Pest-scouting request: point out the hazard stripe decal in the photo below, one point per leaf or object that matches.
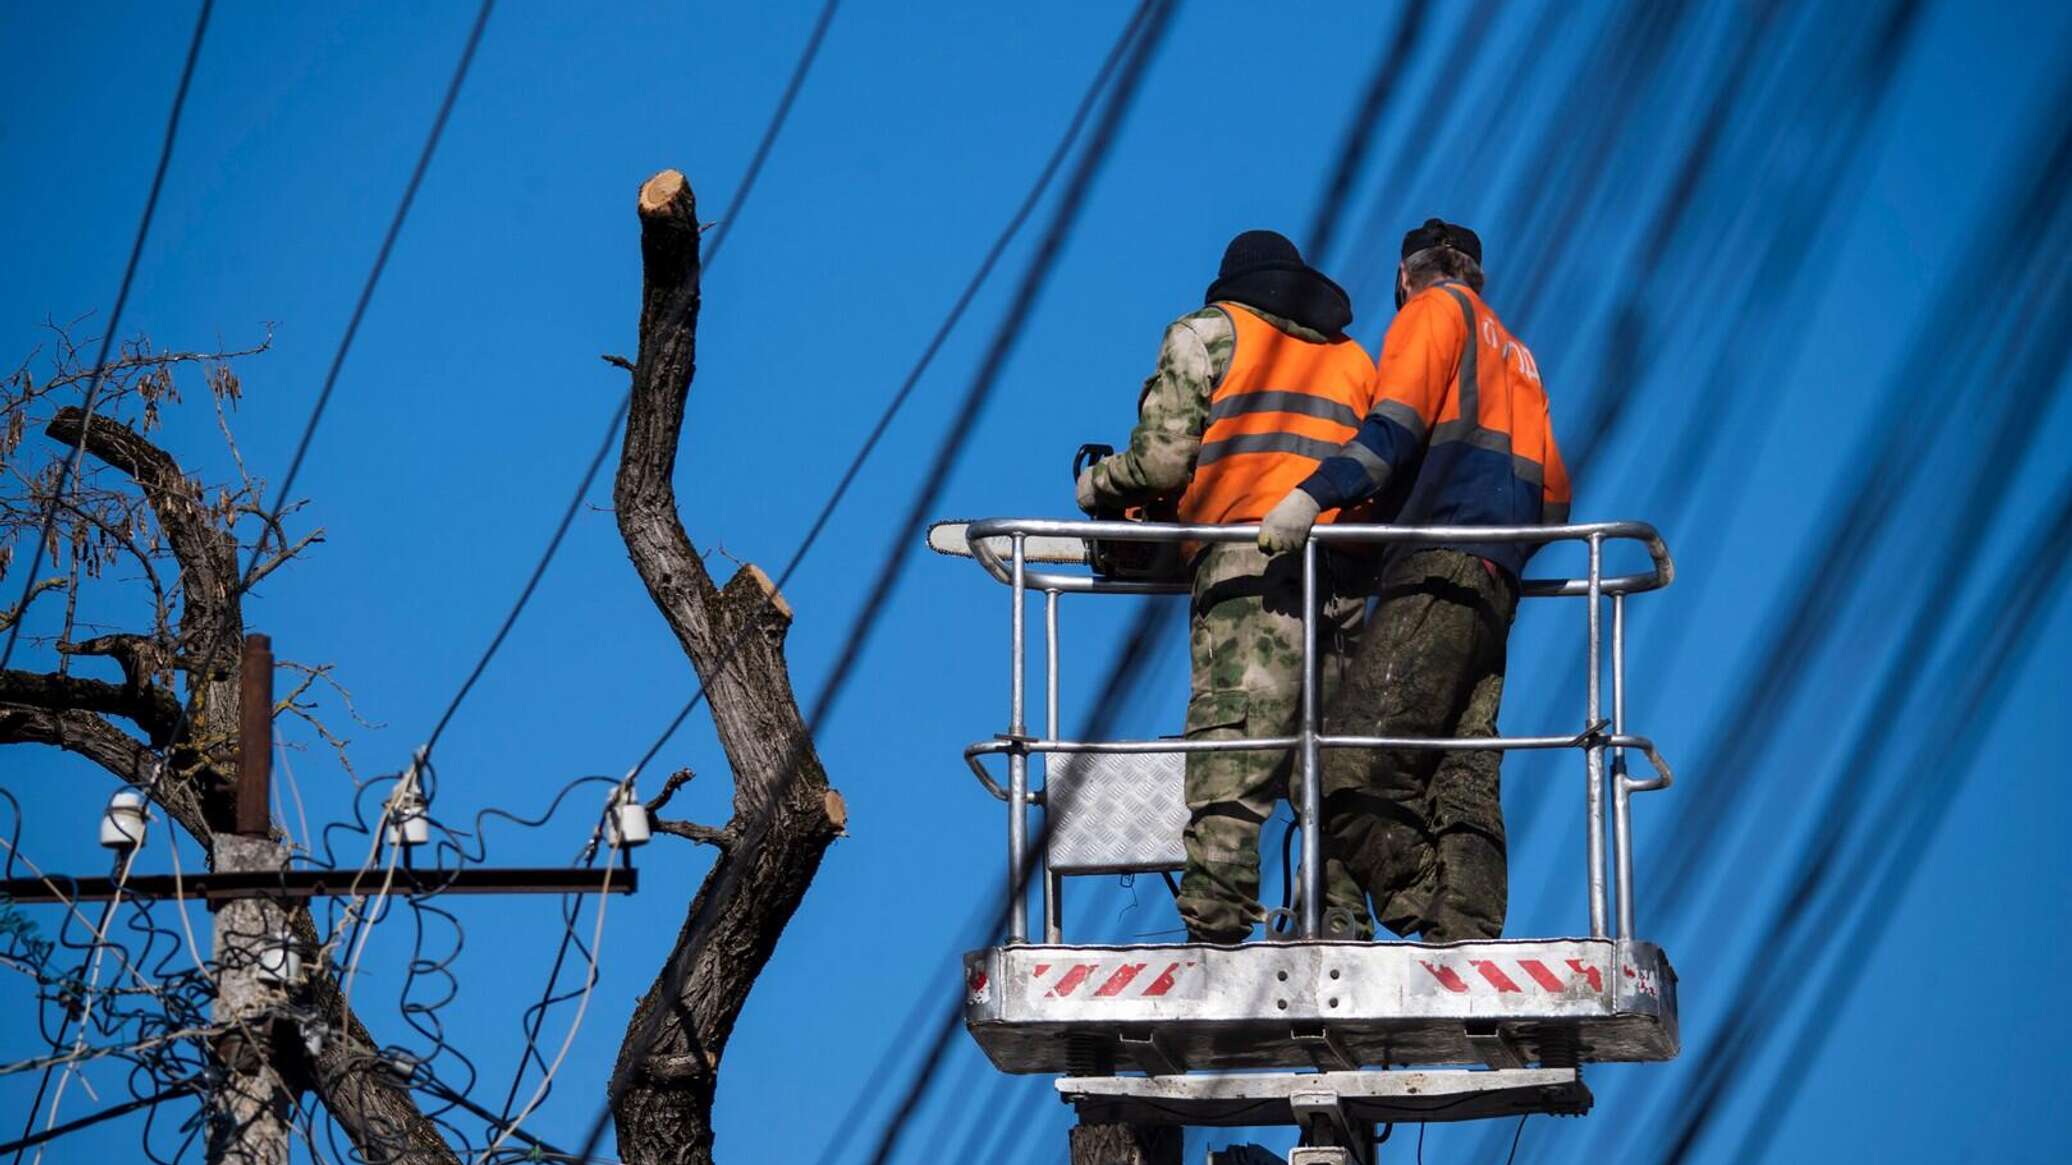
(1119, 980)
(1447, 977)
(1494, 975)
(1091, 981)
(1072, 979)
(1114, 979)
(1164, 982)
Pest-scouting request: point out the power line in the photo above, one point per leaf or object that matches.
(1152, 620)
(272, 518)
(905, 538)
(1157, 15)
(69, 469)
(770, 131)
(1388, 70)
(764, 146)
(106, 1114)
(381, 258)
(2035, 586)
(532, 581)
(1790, 931)
(948, 324)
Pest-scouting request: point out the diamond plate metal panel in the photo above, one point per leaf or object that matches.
(1116, 814)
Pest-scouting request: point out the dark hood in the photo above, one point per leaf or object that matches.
(1263, 269)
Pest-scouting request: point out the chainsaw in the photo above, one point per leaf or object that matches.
(1133, 561)
(1125, 561)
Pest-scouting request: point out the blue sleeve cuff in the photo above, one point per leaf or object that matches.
(1336, 481)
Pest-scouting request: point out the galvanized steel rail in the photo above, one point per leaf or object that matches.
(1000, 546)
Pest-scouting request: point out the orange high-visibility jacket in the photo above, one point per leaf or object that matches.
(1460, 433)
(1283, 405)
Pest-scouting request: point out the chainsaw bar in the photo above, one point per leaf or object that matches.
(953, 538)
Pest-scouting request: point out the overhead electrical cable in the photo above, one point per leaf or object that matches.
(68, 470)
(381, 258)
(1148, 627)
(764, 146)
(1064, 216)
(1015, 222)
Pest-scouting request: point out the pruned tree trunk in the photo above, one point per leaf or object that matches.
(784, 814)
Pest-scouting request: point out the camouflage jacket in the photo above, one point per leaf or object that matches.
(1173, 411)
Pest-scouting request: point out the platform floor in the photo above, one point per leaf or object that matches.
(1276, 1099)
(1173, 1008)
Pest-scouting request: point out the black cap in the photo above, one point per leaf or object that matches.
(1440, 233)
(1263, 269)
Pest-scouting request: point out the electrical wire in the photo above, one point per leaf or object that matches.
(272, 518)
(97, 1053)
(1352, 153)
(899, 548)
(1152, 621)
(125, 863)
(720, 233)
(764, 146)
(69, 469)
(108, 1114)
(1064, 216)
(582, 1005)
(381, 258)
(1034, 197)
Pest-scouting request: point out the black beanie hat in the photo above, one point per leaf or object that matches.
(1263, 269)
(1259, 251)
(1439, 233)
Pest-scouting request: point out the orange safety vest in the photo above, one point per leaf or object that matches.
(1282, 407)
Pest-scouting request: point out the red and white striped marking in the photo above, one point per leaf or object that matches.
(1099, 979)
(1516, 976)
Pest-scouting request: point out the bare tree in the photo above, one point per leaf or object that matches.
(785, 815)
(138, 519)
(135, 518)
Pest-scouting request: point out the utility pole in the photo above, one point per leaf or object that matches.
(262, 999)
(248, 1118)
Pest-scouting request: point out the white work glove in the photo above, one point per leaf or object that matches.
(1083, 492)
(1287, 524)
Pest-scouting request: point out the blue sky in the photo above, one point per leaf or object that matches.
(474, 397)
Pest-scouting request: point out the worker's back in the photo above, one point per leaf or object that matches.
(1465, 389)
(1283, 405)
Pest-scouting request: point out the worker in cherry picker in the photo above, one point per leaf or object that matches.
(1459, 436)
(1251, 393)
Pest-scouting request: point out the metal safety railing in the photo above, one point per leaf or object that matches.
(1005, 547)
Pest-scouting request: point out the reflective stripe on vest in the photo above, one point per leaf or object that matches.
(1283, 406)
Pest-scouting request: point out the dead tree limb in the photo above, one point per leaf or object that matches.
(784, 814)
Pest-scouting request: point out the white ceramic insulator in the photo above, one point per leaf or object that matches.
(407, 822)
(409, 828)
(124, 825)
(629, 825)
(279, 962)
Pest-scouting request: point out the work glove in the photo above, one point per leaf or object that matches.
(1083, 491)
(1287, 524)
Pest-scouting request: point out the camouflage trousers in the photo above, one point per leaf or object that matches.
(1245, 643)
(1423, 831)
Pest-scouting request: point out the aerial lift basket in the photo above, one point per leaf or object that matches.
(1315, 1031)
